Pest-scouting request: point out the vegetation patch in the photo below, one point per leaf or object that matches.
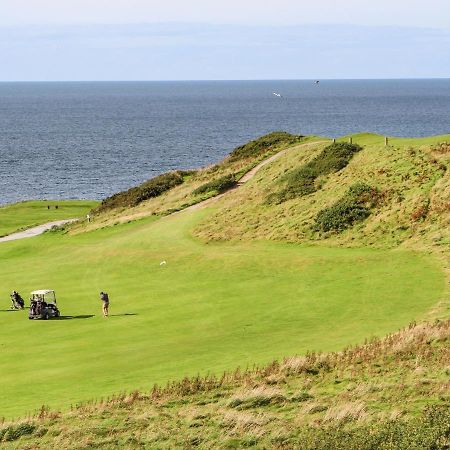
(431, 430)
(354, 207)
(219, 185)
(149, 189)
(264, 144)
(14, 432)
(302, 181)
(402, 412)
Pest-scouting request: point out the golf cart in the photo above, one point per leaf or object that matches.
(43, 305)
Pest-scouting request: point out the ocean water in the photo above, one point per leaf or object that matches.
(91, 139)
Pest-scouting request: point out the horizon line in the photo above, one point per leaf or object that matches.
(225, 80)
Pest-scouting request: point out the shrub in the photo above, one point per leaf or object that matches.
(263, 145)
(12, 433)
(301, 181)
(421, 212)
(149, 189)
(219, 185)
(353, 207)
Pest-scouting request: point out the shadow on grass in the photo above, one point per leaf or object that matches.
(120, 315)
(11, 310)
(85, 316)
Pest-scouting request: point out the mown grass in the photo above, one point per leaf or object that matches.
(218, 305)
(31, 213)
(390, 393)
(210, 308)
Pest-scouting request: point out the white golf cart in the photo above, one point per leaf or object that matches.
(43, 305)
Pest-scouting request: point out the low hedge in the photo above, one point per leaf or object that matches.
(263, 145)
(219, 185)
(300, 182)
(354, 207)
(149, 189)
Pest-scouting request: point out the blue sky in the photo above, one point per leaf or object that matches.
(153, 40)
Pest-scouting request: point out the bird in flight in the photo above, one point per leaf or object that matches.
(277, 94)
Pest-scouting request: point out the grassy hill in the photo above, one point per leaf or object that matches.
(250, 276)
(391, 393)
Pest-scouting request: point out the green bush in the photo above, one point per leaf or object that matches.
(264, 144)
(219, 185)
(149, 189)
(354, 207)
(301, 181)
(12, 433)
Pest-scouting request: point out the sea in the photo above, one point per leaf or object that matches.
(88, 140)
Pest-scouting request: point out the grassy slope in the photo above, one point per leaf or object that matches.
(183, 195)
(31, 213)
(212, 307)
(366, 398)
(408, 176)
(240, 290)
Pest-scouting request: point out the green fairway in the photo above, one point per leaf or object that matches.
(211, 307)
(28, 214)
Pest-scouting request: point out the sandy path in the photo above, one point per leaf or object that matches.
(35, 231)
(247, 177)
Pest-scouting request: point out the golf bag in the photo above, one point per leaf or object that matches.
(17, 301)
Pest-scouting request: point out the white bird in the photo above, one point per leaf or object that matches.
(162, 263)
(276, 94)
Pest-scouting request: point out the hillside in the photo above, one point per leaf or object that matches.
(390, 393)
(292, 245)
(412, 180)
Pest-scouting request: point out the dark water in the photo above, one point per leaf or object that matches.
(88, 140)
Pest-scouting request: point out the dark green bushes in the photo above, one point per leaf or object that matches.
(149, 189)
(219, 185)
(263, 145)
(354, 207)
(12, 433)
(301, 181)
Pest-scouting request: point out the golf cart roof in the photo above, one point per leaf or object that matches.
(43, 292)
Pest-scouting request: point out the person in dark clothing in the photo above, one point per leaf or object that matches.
(105, 300)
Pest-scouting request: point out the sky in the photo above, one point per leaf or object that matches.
(45, 40)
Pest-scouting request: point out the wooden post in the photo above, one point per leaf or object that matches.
(386, 141)
(334, 140)
(350, 140)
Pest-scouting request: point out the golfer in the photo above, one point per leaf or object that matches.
(105, 299)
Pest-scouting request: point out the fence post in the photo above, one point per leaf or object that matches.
(386, 141)
(334, 140)
(350, 140)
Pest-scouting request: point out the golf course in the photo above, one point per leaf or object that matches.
(24, 215)
(182, 305)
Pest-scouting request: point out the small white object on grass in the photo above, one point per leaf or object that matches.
(162, 263)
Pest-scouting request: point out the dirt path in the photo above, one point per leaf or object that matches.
(35, 231)
(247, 177)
